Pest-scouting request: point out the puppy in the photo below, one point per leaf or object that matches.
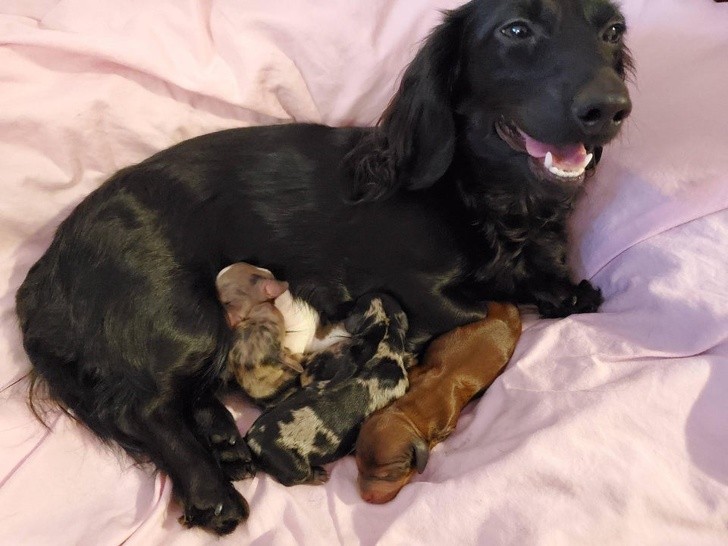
(319, 423)
(271, 330)
(395, 441)
(259, 362)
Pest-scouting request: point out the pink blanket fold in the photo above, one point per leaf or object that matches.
(606, 429)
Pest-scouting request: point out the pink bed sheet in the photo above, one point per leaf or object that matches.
(608, 428)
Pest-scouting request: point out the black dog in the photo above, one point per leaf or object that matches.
(320, 423)
(459, 196)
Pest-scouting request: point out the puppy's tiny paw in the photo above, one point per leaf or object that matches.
(319, 476)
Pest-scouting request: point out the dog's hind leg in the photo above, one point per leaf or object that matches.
(208, 498)
(216, 428)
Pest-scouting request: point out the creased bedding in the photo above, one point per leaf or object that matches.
(610, 428)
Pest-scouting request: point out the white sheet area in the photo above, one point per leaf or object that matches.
(605, 429)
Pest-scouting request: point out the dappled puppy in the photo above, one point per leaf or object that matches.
(258, 361)
(319, 423)
(396, 441)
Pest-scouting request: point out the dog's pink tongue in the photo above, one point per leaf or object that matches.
(571, 155)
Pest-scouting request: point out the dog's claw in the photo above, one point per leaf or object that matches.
(220, 515)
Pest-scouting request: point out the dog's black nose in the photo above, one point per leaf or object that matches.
(601, 105)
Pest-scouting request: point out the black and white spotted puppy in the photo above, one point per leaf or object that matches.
(320, 423)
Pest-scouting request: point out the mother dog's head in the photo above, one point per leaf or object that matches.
(532, 88)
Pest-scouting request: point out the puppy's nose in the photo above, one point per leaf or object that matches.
(600, 107)
(368, 496)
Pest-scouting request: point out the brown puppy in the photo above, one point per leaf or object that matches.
(458, 365)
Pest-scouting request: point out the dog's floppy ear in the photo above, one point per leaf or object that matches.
(421, 454)
(414, 142)
(418, 125)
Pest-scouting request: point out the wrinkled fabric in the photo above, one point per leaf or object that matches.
(607, 428)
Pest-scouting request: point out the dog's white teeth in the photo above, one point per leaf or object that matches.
(565, 174)
(548, 161)
(575, 172)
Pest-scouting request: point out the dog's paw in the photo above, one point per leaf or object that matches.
(234, 457)
(217, 510)
(219, 431)
(583, 298)
(589, 298)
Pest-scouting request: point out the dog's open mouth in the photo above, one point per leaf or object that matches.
(567, 163)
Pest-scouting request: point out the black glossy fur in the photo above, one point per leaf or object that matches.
(120, 316)
(320, 423)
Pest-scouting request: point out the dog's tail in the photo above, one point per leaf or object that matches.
(60, 378)
(49, 346)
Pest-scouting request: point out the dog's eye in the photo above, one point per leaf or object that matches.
(614, 33)
(517, 30)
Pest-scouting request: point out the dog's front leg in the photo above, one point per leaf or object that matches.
(559, 297)
(436, 310)
(548, 283)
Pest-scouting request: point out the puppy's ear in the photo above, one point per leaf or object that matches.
(421, 454)
(268, 289)
(290, 361)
